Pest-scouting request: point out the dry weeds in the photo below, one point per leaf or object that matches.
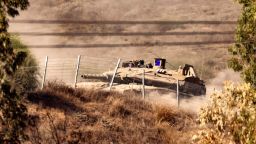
(61, 114)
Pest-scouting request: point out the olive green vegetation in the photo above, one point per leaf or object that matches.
(26, 77)
(13, 113)
(243, 51)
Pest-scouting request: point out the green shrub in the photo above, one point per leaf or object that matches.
(243, 52)
(26, 77)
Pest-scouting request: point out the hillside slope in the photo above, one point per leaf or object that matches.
(63, 114)
(194, 31)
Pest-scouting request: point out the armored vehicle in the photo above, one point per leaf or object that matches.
(154, 75)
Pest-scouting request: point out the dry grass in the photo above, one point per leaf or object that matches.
(62, 114)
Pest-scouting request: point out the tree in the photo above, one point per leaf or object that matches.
(26, 77)
(13, 113)
(244, 59)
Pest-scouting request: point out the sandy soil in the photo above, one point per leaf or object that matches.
(122, 10)
(197, 32)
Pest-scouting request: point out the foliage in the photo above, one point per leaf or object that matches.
(26, 77)
(12, 111)
(243, 51)
(231, 116)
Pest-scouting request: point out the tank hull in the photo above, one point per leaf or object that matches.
(193, 86)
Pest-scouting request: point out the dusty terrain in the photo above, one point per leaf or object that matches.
(154, 95)
(195, 31)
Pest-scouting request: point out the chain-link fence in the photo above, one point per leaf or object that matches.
(69, 70)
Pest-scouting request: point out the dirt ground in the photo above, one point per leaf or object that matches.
(160, 14)
(197, 32)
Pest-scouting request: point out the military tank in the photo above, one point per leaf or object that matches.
(154, 75)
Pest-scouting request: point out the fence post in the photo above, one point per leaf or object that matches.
(45, 70)
(77, 69)
(178, 100)
(114, 74)
(143, 84)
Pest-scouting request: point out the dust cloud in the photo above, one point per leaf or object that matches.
(194, 103)
(217, 83)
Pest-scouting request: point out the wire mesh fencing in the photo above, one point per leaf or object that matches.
(69, 70)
